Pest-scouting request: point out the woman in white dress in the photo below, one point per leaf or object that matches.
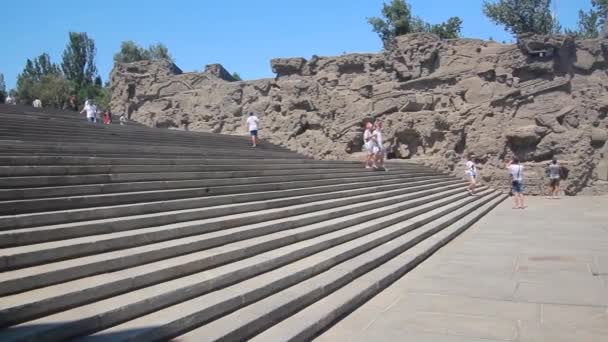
(471, 172)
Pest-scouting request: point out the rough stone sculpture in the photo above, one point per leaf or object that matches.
(544, 97)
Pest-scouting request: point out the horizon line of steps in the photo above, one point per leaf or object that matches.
(24, 127)
(131, 248)
(86, 132)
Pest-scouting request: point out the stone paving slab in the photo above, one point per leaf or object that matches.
(533, 275)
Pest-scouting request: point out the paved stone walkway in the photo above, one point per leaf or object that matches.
(539, 274)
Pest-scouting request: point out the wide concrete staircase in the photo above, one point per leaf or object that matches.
(113, 233)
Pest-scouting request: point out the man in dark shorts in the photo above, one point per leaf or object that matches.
(553, 170)
(252, 126)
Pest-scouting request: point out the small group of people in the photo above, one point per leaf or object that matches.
(10, 100)
(516, 172)
(372, 139)
(91, 112)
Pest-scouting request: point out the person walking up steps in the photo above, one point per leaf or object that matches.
(252, 126)
(554, 172)
(471, 172)
(378, 148)
(517, 187)
(369, 146)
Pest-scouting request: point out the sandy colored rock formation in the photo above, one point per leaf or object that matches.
(440, 100)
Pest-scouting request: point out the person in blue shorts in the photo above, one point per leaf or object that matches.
(516, 170)
(252, 126)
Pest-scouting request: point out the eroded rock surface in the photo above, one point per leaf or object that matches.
(439, 100)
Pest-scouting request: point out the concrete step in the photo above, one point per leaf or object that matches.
(310, 307)
(63, 160)
(117, 212)
(334, 247)
(31, 304)
(48, 130)
(104, 184)
(136, 150)
(44, 233)
(16, 207)
(86, 137)
(59, 190)
(204, 171)
(320, 316)
(36, 254)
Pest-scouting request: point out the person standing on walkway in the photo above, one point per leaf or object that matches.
(369, 145)
(516, 170)
(37, 103)
(471, 173)
(554, 172)
(252, 126)
(90, 110)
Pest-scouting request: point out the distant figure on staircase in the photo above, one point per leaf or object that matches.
(369, 143)
(471, 172)
(10, 100)
(123, 119)
(107, 117)
(517, 182)
(378, 148)
(90, 110)
(252, 126)
(37, 103)
(72, 103)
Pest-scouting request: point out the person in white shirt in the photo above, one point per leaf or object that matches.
(471, 173)
(252, 126)
(378, 148)
(9, 100)
(369, 146)
(516, 170)
(37, 103)
(91, 111)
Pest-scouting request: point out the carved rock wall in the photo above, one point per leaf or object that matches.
(439, 100)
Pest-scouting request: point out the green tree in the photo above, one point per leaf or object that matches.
(449, 29)
(32, 82)
(590, 23)
(236, 76)
(131, 52)
(79, 59)
(397, 19)
(522, 16)
(53, 90)
(159, 51)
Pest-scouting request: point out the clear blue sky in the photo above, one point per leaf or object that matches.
(243, 35)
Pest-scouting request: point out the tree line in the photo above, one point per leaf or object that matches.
(516, 16)
(75, 79)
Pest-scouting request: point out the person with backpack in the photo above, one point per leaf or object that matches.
(516, 170)
(554, 171)
(471, 173)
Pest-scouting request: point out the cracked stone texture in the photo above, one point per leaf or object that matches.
(439, 100)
